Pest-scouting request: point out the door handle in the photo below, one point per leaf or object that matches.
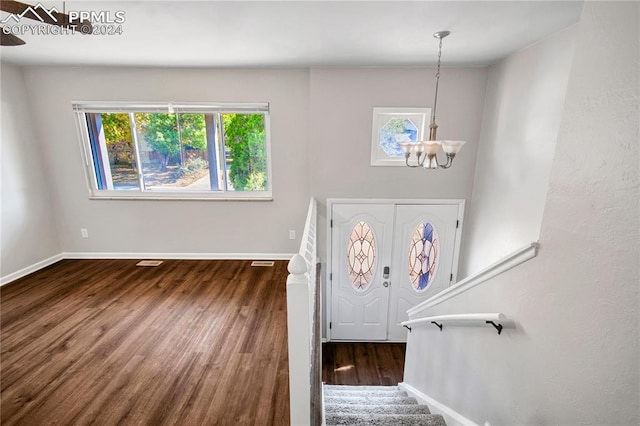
(385, 284)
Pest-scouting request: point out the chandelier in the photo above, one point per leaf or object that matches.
(426, 151)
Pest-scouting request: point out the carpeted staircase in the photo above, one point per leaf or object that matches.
(375, 405)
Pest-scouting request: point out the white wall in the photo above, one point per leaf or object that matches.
(571, 356)
(315, 114)
(28, 227)
(523, 108)
(205, 227)
(342, 102)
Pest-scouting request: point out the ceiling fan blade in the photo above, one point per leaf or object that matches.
(47, 17)
(9, 39)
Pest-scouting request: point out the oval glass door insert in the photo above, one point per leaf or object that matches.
(424, 250)
(361, 255)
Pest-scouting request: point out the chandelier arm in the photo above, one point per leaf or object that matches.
(432, 162)
(448, 163)
(406, 160)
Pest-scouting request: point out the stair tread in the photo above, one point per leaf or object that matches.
(354, 387)
(337, 419)
(377, 409)
(338, 393)
(370, 400)
(376, 406)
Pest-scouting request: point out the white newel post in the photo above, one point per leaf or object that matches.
(298, 327)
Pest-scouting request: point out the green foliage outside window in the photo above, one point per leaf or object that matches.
(245, 140)
(116, 127)
(162, 133)
(244, 136)
(117, 134)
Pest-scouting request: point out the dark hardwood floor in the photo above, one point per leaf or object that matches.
(363, 363)
(104, 342)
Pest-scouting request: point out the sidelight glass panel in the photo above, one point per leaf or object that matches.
(424, 250)
(361, 255)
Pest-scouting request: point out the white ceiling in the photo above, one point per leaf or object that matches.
(300, 33)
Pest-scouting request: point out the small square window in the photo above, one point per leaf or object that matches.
(393, 126)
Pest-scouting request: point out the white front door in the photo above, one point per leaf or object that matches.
(360, 246)
(385, 259)
(422, 263)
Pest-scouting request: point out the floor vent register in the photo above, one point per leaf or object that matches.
(149, 263)
(262, 263)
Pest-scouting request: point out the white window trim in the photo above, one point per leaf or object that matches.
(82, 107)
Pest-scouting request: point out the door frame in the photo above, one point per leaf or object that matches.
(329, 215)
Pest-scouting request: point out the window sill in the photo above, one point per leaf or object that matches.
(181, 197)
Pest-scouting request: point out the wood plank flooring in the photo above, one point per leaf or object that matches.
(104, 342)
(363, 363)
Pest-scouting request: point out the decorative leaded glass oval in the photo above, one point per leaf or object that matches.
(361, 255)
(424, 251)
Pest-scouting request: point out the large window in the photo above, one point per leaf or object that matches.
(176, 151)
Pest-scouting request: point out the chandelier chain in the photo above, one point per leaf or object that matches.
(435, 100)
(425, 152)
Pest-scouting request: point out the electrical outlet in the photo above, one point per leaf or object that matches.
(292, 234)
(84, 232)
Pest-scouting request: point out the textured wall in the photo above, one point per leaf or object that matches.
(28, 228)
(571, 356)
(521, 119)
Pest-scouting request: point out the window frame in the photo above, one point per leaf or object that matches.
(82, 108)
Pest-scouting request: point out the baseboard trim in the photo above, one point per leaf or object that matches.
(30, 269)
(106, 255)
(451, 416)
(363, 341)
(179, 256)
